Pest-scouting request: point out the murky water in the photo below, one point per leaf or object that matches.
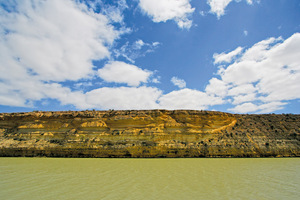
(71, 178)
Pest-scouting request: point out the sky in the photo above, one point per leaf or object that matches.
(236, 56)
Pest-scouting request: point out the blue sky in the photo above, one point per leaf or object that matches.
(237, 56)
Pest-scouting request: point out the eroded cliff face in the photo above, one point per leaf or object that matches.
(148, 133)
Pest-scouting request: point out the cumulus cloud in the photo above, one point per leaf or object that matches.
(263, 108)
(51, 41)
(241, 89)
(216, 87)
(217, 7)
(120, 72)
(145, 98)
(238, 99)
(263, 78)
(162, 11)
(226, 57)
(188, 99)
(178, 82)
(56, 40)
(124, 98)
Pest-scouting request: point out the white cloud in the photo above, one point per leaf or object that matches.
(124, 98)
(138, 49)
(147, 98)
(55, 39)
(178, 82)
(249, 1)
(244, 108)
(202, 13)
(154, 44)
(139, 44)
(188, 99)
(263, 78)
(48, 41)
(238, 99)
(161, 11)
(156, 80)
(218, 6)
(113, 12)
(263, 108)
(270, 107)
(241, 89)
(65, 95)
(137, 98)
(227, 57)
(259, 51)
(120, 72)
(216, 87)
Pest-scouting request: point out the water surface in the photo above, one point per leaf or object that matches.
(80, 178)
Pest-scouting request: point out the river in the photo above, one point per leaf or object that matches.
(190, 178)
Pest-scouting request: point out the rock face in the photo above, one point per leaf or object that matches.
(148, 133)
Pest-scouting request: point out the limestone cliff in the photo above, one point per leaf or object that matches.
(148, 133)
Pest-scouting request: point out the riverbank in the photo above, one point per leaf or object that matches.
(148, 134)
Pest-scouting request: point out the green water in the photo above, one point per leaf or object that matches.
(72, 178)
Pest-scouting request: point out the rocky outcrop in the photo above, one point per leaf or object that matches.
(148, 133)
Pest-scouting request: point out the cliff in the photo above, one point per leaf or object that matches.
(148, 133)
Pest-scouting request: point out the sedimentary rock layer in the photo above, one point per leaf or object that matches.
(148, 133)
